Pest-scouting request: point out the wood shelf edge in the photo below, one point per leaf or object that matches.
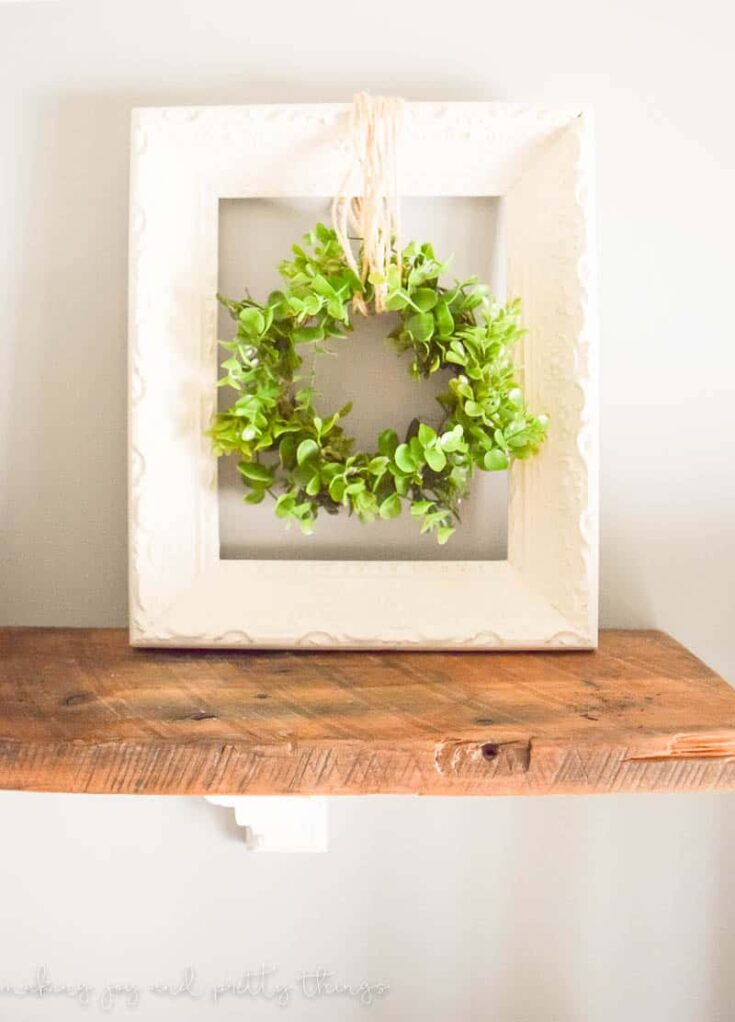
(82, 712)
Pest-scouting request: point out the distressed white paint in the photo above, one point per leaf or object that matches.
(181, 591)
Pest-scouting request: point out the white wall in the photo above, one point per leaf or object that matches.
(589, 909)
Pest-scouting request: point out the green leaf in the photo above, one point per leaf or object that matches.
(329, 425)
(336, 309)
(322, 286)
(421, 326)
(425, 298)
(404, 459)
(254, 472)
(252, 321)
(417, 451)
(473, 409)
(280, 428)
(421, 507)
(277, 302)
(313, 486)
(443, 534)
(393, 277)
(444, 320)
(337, 489)
(391, 506)
(287, 450)
(495, 460)
(308, 334)
(256, 497)
(436, 459)
(306, 450)
(311, 305)
(284, 505)
(376, 466)
(426, 434)
(461, 387)
(397, 301)
(366, 506)
(265, 442)
(387, 442)
(402, 484)
(452, 439)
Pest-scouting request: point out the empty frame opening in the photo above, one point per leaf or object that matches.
(254, 236)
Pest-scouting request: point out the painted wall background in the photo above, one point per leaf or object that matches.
(587, 909)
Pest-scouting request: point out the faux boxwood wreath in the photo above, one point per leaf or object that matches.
(306, 461)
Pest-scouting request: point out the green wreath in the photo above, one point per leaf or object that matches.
(305, 460)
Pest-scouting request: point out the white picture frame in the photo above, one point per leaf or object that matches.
(184, 160)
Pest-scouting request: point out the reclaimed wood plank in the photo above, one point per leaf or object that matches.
(82, 711)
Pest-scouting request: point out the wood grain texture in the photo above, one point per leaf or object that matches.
(82, 711)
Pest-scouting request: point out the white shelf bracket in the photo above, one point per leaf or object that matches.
(279, 823)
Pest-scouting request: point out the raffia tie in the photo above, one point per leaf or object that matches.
(367, 203)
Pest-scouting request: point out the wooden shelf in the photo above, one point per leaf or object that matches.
(82, 711)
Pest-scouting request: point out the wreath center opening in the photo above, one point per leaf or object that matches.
(364, 367)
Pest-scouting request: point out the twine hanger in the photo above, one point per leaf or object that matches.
(367, 202)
